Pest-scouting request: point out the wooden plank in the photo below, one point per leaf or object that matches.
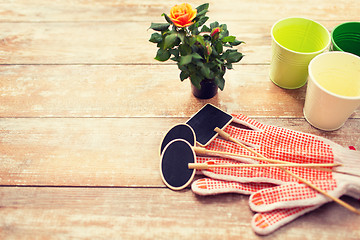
(136, 91)
(104, 151)
(142, 10)
(105, 43)
(84, 106)
(123, 213)
(111, 42)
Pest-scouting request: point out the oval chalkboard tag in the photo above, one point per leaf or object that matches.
(179, 131)
(174, 169)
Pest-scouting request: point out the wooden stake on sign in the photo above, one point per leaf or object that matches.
(205, 166)
(227, 137)
(337, 200)
(206, 152)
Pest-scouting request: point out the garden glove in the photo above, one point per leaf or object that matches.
(287, 145)
(278, 205)
(262, 223)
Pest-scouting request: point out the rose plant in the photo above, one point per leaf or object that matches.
(201, 52)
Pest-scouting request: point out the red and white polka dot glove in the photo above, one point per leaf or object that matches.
(262, 223)
(280, 205)
(287, 145)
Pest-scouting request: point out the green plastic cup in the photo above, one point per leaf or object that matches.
(295, 41)
(346, 38)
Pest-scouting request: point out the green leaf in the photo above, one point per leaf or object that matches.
(185, 60)
(223, 27)
(224, 33)
(194, 30)
(202, 9)
(191, 41)
(162, 55)
(236, 43)
(196, 56)
(219, 47)
(219, 61)
(167, 18)
(234, 57)
(202, 21)
(205, 29)
(215, 53)
(184, 75)
(174, 52)
(229, 65)
(170, 40)
(229, 39)
(159, 26)
(205, 70)
(155, 38)
(200, 39)
(225, 55)
(220, 82)
(214, 25)
(184, 49)
(196, 80)
(181, 36)
(212, 66)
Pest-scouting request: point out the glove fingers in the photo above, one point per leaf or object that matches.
(208, 186)
(266, 223)
(248, 122)
(246, 136)
(258, 174)
(291, 195)
(241, 174)
(245, 174)
(281, 143)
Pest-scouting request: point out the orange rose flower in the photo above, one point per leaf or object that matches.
(182, 15)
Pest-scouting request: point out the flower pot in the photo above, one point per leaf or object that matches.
(208, 89)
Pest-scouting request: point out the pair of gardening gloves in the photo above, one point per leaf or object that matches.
(276, 196)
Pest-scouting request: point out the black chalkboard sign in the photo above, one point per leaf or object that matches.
(174, 164)
(206, 120)
(179, 131)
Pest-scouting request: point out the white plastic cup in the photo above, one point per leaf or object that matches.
(333, 90)
(295, 41)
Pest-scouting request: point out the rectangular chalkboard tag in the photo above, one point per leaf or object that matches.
(206, 120)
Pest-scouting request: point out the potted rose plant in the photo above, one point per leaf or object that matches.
(203, 53)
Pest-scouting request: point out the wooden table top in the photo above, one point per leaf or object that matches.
(84, 107)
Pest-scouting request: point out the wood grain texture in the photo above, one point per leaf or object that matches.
(84, 107)
(105, 43)
(130, 213)
(112, 42)
(142, 10)
(120, 152)
(137, 91)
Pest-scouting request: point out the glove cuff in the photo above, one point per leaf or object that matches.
(349, 159)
